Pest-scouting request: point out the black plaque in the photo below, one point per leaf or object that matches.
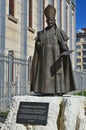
(33, 113)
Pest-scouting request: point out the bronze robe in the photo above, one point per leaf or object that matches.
(50, 43)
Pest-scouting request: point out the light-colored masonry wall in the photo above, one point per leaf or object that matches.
(17, 36)
(13, 30)
(20, 38)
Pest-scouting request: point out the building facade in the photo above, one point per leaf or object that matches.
(21, 19)
(81, 50)
(65, 20)
(19, 22)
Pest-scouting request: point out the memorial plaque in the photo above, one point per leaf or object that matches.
(33, 113)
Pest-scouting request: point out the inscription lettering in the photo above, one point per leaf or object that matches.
(33, 113)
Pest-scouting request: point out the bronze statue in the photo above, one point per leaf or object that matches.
(51, 65)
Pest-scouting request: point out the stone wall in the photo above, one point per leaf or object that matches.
(65, 113)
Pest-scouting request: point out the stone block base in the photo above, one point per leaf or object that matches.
(65, 113)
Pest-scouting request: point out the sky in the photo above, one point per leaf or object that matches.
(80, 14)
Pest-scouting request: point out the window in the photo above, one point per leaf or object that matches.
(78, 60)
(11, 7)
(77, 39)
(78, 53)
(84, 59)
(84, 46)
(30, 13)
(84, 66)
(78, 46)
(84, 52)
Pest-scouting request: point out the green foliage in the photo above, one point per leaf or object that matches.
(81, 93)
(4, 113)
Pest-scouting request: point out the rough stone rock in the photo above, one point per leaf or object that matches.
(65, 113)
(0, 125)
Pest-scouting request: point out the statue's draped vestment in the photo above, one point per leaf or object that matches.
(47, 51)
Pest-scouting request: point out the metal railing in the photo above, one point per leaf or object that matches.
(14, 78)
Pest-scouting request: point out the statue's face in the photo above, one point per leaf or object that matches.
(50, 22)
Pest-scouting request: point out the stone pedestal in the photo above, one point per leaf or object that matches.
(65, 113)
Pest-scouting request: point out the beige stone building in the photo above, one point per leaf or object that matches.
(19, 22)
(81, 50)
(19, 38)
(21, 19)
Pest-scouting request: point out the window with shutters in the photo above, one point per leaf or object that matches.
(30, 13)
(11, 7)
